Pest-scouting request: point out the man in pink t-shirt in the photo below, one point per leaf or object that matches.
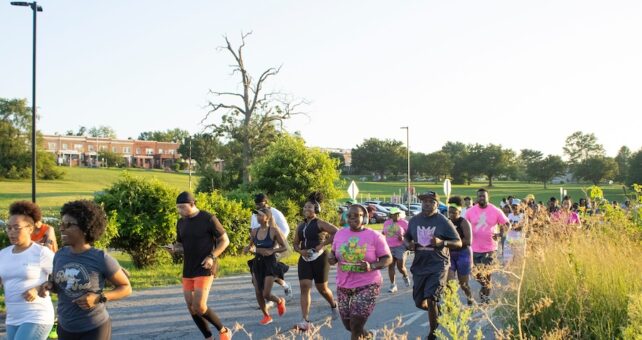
(394, 229)
(485, 220)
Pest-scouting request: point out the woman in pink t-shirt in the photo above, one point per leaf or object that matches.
(393, 229)
(359, 253)
(566, 215)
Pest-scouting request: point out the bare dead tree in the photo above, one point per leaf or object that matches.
(252, 110)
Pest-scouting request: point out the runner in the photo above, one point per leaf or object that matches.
(461, 260)
(44, 235)
(343, 219)
(261, 201)
(25, 265)
(467, 205)
(566, 215)
(359, 252)
(394, 229)
(485, 220)
(309, 241)
(514, 237)
(429, 234)
(80, 272)
(202, 239)
(264, 267)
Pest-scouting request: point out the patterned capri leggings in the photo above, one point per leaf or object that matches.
(359, 301)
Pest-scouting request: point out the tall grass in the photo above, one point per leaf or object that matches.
(579, 282)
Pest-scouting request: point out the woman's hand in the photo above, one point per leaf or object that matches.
(365, 266)
(332, 259)
(30, 295)
(44, 288)
(87, 301)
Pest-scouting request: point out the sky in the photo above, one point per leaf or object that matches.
(524, 74)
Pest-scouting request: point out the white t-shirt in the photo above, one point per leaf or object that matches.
(515, 219)
(21, 272)
(280, 220)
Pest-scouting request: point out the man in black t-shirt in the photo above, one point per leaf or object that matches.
(429, 234)
(203, 239)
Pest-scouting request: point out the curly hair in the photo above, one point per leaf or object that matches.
(26, 208)
(456, 200)
(90, 216)
(315, 197)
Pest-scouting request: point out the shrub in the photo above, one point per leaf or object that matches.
(233, 216)
(144, 213)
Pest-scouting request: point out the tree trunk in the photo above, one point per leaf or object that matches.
(490, 181)
(545, 185)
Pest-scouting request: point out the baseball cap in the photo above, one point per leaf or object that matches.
(427, 194)
(185, 197)
(395, 210)
(351, 201)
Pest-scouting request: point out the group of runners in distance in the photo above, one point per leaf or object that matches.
(446, 246)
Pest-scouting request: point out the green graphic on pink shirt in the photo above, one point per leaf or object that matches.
(392, 231)
(352, 254)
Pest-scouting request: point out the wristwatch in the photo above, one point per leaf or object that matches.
(212, 256)
(445, 243)
(102, 298)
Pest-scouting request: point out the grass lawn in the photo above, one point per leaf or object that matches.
(384, 190)
(80, 183)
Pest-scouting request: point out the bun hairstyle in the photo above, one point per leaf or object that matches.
(316, 198)
(456, 200)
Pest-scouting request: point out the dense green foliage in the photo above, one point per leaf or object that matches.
(144, 212)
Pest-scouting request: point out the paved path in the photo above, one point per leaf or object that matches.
(160, 313)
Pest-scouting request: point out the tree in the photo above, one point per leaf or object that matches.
(438, 165)
(525, 159)
(379, 156)
(144, 211)
(580, 146)
(170, 135)
(338, 156)
(544, 170)
(418, 163)
(102, 131)
(491, 160)
(112, 158)
(205, 148)
(15, 144)
(596, 169)
(251, 112)
(82, 131)
(458, 154)
(288, 171)
(622, 160)
(634, 174)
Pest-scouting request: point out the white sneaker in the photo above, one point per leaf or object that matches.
(269, 304)
(288, 292)
(407, 281)
(393, 289)
(304, 325)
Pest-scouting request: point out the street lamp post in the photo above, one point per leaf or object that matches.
(407, 128)
(35, 8)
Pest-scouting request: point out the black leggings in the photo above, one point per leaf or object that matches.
(102, 332)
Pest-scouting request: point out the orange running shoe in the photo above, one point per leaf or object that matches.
(281, 307)
(266, 320)
(224, 334)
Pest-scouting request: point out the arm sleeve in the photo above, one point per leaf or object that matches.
(408, 236)
(254, 223)
(111, 265)
(217, 228)
(46, 260)
(381, 246)
(178, 234)
(281, 222)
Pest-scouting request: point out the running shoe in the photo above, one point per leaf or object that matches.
(54, 331)
(407, 281)
(268, 305)
(266, 320)
(280, 307)
(393, 289)
(372, 333)
(304, 325)
(224, 334)
(288, 292)
(334, 311)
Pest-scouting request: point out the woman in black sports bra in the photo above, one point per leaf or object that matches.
(267, 240)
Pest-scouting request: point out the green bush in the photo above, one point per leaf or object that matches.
(233, 216)
(144, 213)
(211, 180)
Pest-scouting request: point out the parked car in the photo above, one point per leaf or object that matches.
(372, 202)
(402, 207)
(380, 213)
(415, 209)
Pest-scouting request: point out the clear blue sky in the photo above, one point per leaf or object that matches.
(524, 74)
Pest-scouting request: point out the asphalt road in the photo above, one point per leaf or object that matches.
(160, 313)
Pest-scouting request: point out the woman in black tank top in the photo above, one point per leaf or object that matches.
(267, 240)
(311, 236)
(461, 259)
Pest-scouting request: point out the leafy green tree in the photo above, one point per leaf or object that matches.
(379, 156)
(288, 171)
(205, 148)
(580, 146)
(491, 160)
(211, 180)
(458, 154)
(102, 131)
(112, 158)
(15, 144)
(251, 114)
(417, 164)
(525, 159)
(169, 135)
(622, 160)
(338, 156)
(438, 165)
(596, 169)
(144, 211)
(544, 170)
(634, 175)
